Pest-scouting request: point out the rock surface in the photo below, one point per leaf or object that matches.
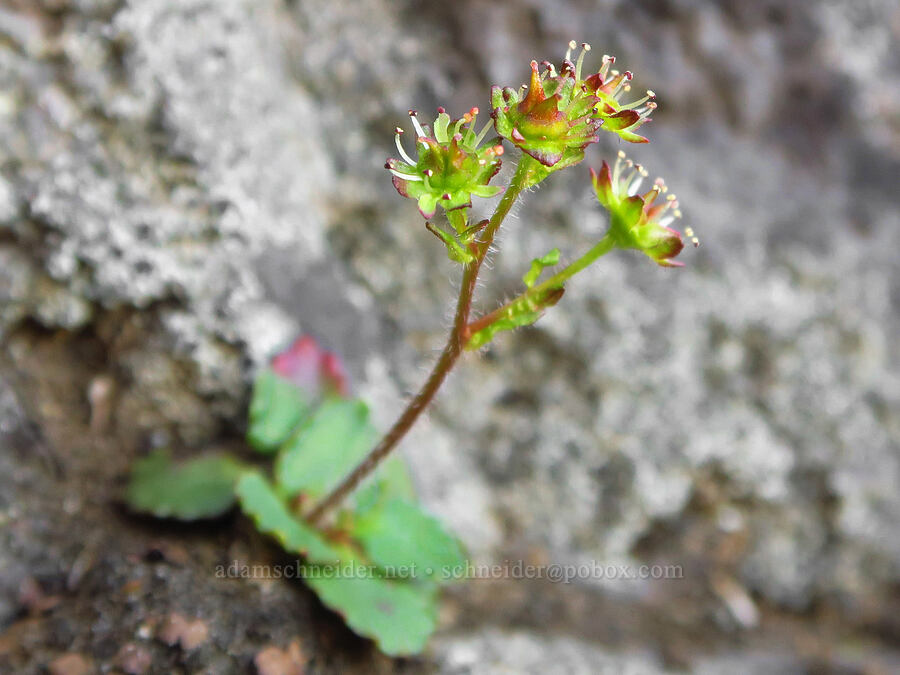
(185, 185)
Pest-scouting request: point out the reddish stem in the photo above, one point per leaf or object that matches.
(458, 336)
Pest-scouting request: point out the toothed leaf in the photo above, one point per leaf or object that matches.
(190, 490)
(276, 408)
(400, 534)
(325, 448)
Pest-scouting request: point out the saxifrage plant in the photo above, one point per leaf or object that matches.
(369, 550)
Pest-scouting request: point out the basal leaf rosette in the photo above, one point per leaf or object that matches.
(451, 166)
(637, 221)
(552, 119)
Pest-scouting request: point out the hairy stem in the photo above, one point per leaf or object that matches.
(534, 293)
(448, 358)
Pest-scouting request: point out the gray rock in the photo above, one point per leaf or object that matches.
(209, 176)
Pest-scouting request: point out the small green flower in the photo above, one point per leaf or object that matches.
(450, 168)
(561, 113)
(617, 117)
(554, 122)
(636, 222)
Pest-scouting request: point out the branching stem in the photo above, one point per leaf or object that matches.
(455, 343)
(534, 293)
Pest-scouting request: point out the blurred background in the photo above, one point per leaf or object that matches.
(187, 185)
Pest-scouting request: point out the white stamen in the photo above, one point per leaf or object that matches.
(405, 176)
(585, 48)
(406, 158)
(483, 133)
(617, 170)
(415, 120)
(635, 186)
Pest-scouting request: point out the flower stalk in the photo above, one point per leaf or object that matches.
(552, 121)
(448, 358)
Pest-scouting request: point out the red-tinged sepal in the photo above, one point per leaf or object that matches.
(619, 117)
(659, 243)
(550, 119)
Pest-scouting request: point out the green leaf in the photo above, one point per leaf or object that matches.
(400, 617)
(271, 515)
(390, 480)
(486, 334)
(190, 490)
(399, 535)
(455, 250)
(325, 448)
(538, 265)
(277, 407)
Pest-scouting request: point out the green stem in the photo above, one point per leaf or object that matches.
(447, 359)
(529, 300)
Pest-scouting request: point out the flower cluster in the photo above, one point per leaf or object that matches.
(554, 121)
(636, 220)
(452, 165)
(620, 118)
(559, 114)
